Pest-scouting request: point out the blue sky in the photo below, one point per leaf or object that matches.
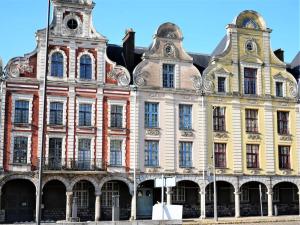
(202, 22)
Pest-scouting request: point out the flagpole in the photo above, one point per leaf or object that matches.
(41, 156)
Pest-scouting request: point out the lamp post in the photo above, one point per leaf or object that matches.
(214, 167)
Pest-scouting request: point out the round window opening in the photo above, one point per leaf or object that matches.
(249, 46)
(169, 50)
(72, 24)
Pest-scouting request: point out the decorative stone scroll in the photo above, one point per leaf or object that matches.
(293, 89)
(204, 84)
(254, 136)
(120, 74)
(221, 135)
(140, 75)
(286, 138)
(20, 66)
(152, 131)
(187, 133)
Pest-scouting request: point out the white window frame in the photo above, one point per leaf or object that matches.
(92, 149)
(226, 76)
(85, 52)
(119, 103)
(104, 197)
(92, 101)
(63, 147)
(176, 73)
(57, 99)
(24, 97)
(175, 195)
(49, 77)
(123, 148)
(258, 76)
(280, 78)
(20, 134)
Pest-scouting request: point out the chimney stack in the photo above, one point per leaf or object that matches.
(280, 54)
(128, 49)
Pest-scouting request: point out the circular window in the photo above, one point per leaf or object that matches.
(72, 24)
(249, 46)
(169, 50)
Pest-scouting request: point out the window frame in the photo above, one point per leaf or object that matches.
(185, 116)
(185, 154)
(219, 152)
(107, 192)
(168, 77)
(93, 74)
(118, 156)
(151, 151)
(219, 88)
(279, 94)
(21, 149)
(219, 119)
(20, 111)
(57, 121)
(151, 116)
(86, 115)
(250, 82)
(116, 117)
(283, 126)
(252, 150)
(284, 164)
(251, 120)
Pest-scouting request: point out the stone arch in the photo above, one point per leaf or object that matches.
(59, 178)
(118, 178)
(264, 181)
(21, 177)
(286, 180)
(87, 178)
(230, 180)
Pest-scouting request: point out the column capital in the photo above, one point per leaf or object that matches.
(69, 193)
(237, 192)
(270, 192)
(202, 192)
(98, 193)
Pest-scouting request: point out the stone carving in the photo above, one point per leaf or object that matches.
(140, 75)
(221, 135)
(20, 66)
(286, 138)
(120, 74)
(73, 32)
(254, 136)
(204, 84)
(152, 131)
(169, 50)
(293, 90)
(187, 133)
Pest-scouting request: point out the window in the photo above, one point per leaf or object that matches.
(72, 24)
(85, 67)
(21, 111)
(178, 194)
(55, 148)
(82, 194)
(185, 117)
(56, 113)
(283, 122)
(221, 84)
(220, 155)
(252, 120)
(116, 116)
(185, 154)
(252, 156)
(279, 89)
(84, 154)
(249, 46)
(109, 190)
(168, 75)
(85, 114)
(151, 153)
(250, 81)
(219, 119)
(151, 115)
(249, 23)
(116, 153)
(284, 157)
(20, 150)
(57, 65)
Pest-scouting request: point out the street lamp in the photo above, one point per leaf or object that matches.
(214, 166)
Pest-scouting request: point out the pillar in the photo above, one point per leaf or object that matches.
(68, 205)
(237, 203)
(169, 195)
(299, 198)
(270, 202)
(97, 206)
(133, 208)
(37, 205)
(202, 204)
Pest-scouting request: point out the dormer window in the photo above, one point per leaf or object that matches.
(249, 46)
(57, 65)
(168, 75)
(72, 24)
(250, 81)
(279, 89)
(85, 67)
(221, 84)
(249, 23)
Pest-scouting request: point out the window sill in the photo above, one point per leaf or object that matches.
(25, 125)
(86, 127)
(117, 128)
(56, 126)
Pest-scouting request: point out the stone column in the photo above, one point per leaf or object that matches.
(133, 208)
(202, 204)
(169, 195)
(237, 203)
(68, 205)
(97, 206)
(270, 202)
(299, 198)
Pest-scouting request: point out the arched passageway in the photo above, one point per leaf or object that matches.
(225, 199)
(54, 201)
(18, 200)
(115, 188)
(286, 199)
(253, 195)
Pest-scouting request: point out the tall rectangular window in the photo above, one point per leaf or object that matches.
(252, 120)
(151, 153)
(84, 154)
(185, 117)
(85, 114)
(81, 192)
(116, 116)
(220, 155)
(21, 111)
(20, 150)
(221, 84)
(116, 153)
(151, 115)
(178, 195)
(250, 81)
(109, 189)
(185, 154)
(168, 75)
(252, 156)
(283, 122)
(219, 119)
(56, 113)
(284, 157)
(279, 89)
(55, 149)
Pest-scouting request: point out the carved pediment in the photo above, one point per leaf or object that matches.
(120, 74)
(279, 76)
(222, 71)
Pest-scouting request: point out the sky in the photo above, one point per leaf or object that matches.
(202, 22)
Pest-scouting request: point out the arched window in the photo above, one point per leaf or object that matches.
(85, 67)
(249, 23)
(57, 65)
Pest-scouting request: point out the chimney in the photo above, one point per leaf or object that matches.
(128, 49)
(280, 54)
